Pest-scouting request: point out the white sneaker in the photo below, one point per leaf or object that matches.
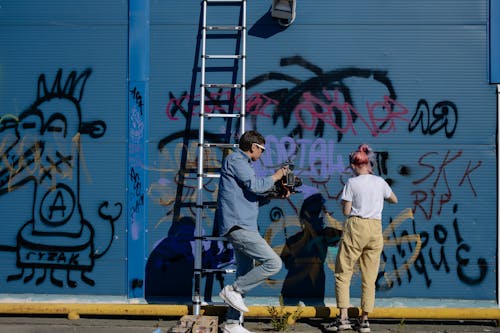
(364, 326)
(233, 298)
(339, 325)
(234, 328)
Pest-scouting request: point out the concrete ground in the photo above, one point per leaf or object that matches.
(58, 324)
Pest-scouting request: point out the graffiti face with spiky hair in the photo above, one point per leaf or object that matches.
(42, 147)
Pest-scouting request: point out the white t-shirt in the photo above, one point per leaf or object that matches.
(367, 194)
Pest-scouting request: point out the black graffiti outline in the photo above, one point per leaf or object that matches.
(332, 80)
(34, 248)
(442, 118)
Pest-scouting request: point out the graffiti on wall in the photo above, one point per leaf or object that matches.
(315, 116)
(436, 191)
(40, 150)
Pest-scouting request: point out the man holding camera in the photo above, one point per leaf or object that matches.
(240, 192)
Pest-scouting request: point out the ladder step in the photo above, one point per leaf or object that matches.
(217, 270)
(221, 115)
(221, 145)
(225, 27)
(222, 85)
(225, 0)
(211, 175)
(223, 56)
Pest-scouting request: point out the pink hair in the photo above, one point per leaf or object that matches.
(362, 156)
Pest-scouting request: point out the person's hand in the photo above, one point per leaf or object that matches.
(280, 173)
(287, 194)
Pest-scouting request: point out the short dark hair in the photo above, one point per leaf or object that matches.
(250, 137)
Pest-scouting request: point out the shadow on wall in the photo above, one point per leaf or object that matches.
(266, 27)
(169, 270)
(305, 253)
(170, 266)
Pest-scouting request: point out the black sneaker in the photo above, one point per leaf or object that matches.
(339, 325)
(364, 326)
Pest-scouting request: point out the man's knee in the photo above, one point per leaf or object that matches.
(274, 265)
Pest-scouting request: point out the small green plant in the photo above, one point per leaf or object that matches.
(401, 326)
(281, 319)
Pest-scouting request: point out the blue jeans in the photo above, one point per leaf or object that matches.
(249, 246)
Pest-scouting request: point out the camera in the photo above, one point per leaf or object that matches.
(288, 183)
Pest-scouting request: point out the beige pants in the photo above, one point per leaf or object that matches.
(362, 240)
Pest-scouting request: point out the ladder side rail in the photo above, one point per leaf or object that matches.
(200, 171)
(243, 69)
(201, 174)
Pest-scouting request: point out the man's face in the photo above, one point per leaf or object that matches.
(256, 151)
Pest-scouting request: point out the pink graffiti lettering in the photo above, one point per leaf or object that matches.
(440, 192)
(312, 108)
(382, 116)
(256, 105)
(467, 176)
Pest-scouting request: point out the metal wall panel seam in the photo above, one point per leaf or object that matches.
(138, 109)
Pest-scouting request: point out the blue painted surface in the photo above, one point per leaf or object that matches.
(58, 56)
(137, 158)
(494, 39)
(410, 78)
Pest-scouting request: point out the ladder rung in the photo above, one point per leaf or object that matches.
(223, 56)
(211, 175)
(222, 85)
(216, 270)
(221, 145)
(221, 115)
(224, 27)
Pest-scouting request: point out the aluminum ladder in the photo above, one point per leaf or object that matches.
(237, 82)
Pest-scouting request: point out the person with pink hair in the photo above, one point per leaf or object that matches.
(363, 199)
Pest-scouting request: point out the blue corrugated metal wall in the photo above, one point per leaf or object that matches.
(63, 88)
(409, 78)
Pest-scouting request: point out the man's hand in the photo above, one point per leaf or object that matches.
(286, 194)
(280, 173)
(278, 178)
